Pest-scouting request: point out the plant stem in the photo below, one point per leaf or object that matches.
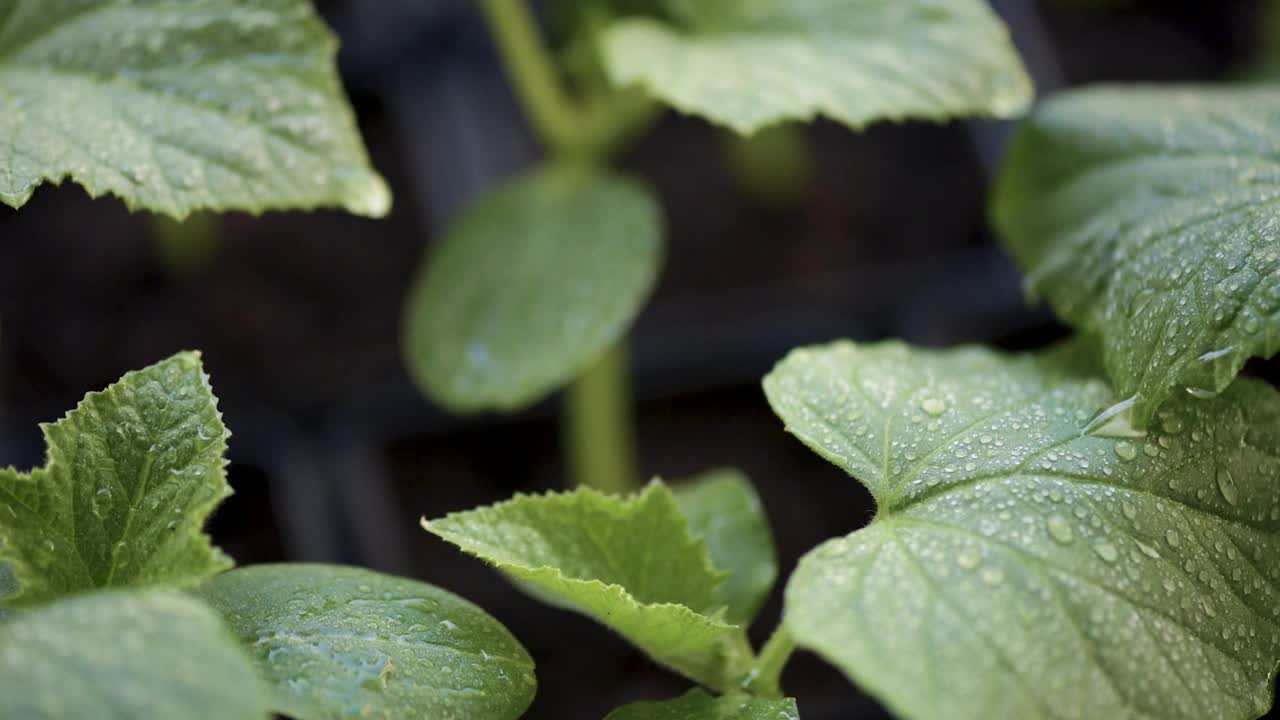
(598, 433)
(561, 124)
(766, 674)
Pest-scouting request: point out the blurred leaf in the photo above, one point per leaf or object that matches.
(723, 509)
(630, 563)
(530, 286)
(339, 642)
(177, 105)
(1148, 215)
(133, 473)
(125, 656)
(1018, 565)
(698, 705)
(749, 65)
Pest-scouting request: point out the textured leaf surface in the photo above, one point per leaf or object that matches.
(629, 563)
(698, 705)
(1020, 568)
(133, 472)
(176, 105)
(125, 656)
(1149, 216)
(723, 509)
(339, 642)
(748, 65)
(528, 288)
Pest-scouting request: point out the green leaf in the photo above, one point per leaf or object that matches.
(749, 65)
(133, 473)
(630, 563)
(177, 105)
(1017, 566)
(698, 705)
(723, 509)
(125, 656)
(1148, 215)
(340, 642)
(531, 284)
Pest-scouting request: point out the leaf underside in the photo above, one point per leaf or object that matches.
(630, 563)
(1148, 215)
(1021, 568)
(132, 474)
(179, 105)
(530, 286)
(338, 642)
(125, 656)
(698, 705)
(749, 65)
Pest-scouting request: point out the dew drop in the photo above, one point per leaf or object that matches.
(1128, 509)
(1059, 529)
(1227, 486)
(1171, 536)
(1107, 551)
(992, 575)
(1148, 550)
(1125, 450)
(933, 406)
(968, 559)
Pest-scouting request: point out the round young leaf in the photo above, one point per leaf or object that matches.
(723, 509)
(748, 65)
(1018, 567)
(698, 705)
(340, 643)
(531, 284)
(125, 656)
(630, 563)
(177, 105)
(1148, 215)
(133, 473)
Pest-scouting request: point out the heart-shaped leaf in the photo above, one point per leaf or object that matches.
(1019, 567)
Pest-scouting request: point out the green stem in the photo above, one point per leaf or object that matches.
(187, 248)
(560, 123)
(599, 437)
(766, 674)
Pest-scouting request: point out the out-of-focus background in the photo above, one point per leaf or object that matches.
(335, 455)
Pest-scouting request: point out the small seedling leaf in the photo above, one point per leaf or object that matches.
(1018, 565)
(117, 655)
(530, 286)
(630, 563)
(723, 509)
(132, 474)
(340, 642)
